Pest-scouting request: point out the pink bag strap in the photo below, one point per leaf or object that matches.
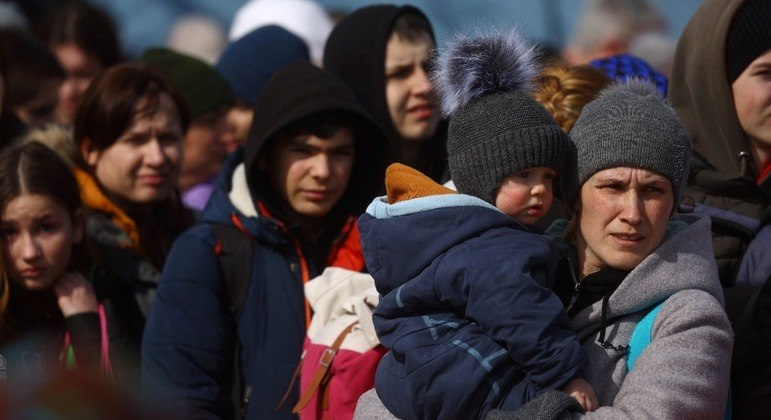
(105, 362)
(321, 374)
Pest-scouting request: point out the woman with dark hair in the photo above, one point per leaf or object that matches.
(45, 299)
(128, 131)
(392, 47)
(84, 41)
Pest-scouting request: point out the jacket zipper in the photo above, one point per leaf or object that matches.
(304, 270)
(577, 286)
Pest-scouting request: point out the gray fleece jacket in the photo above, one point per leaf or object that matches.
(684, 372)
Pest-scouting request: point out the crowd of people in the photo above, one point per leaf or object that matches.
(549, 235)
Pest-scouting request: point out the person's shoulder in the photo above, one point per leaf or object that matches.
(199, 237)
(193, 247)
(201, 230)
(692, 297)
(727, 192)
(695, 306)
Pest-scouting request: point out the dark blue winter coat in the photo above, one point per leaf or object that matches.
(190, 338)
(466, 309)
(188, 346)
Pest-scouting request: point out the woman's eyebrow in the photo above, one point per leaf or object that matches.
(654, 180)
(604, 179)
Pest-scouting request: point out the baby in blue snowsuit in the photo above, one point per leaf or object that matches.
(466, 311)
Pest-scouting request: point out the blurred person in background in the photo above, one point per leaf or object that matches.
(609, 27)
(565, 90)
(199, 36)
(625, 66)
(209, 98)
(304, 18)
(84, 41)
(31, 78)
(247, 63)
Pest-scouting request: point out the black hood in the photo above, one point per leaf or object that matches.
(355, 52)
(299, 90)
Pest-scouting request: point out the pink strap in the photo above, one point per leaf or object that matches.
(106, 362)
(67, 343)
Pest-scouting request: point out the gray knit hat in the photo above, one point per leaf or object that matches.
(629, 125)
(496, 127)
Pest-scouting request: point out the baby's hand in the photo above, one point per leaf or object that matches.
(74, 295)
(579, 389)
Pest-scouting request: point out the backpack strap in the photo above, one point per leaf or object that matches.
(641, 336)
(235, 250)
(68, 353)
(106, 362)
(321, 374)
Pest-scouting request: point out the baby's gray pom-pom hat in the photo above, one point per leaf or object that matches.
(629, 124)
(496, 128)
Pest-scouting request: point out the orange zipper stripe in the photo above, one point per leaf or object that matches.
(304, 272)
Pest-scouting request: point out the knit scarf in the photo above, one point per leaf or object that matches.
(93, 198)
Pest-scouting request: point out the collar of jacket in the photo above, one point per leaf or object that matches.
(764, 179)
(346, 250)
(93, 198)
(595, 287)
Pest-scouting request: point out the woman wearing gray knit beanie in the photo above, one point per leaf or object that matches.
(632, 268)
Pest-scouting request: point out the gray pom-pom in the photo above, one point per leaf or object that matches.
(632, 86)
(469, 67)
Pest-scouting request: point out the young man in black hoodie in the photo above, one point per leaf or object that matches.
(313, 158)
(392, 48)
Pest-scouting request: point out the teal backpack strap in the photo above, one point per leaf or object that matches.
(641, 336)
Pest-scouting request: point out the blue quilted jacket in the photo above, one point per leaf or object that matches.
(466, 309)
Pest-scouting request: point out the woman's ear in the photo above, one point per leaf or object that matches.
(88, 153)
(78, 226)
